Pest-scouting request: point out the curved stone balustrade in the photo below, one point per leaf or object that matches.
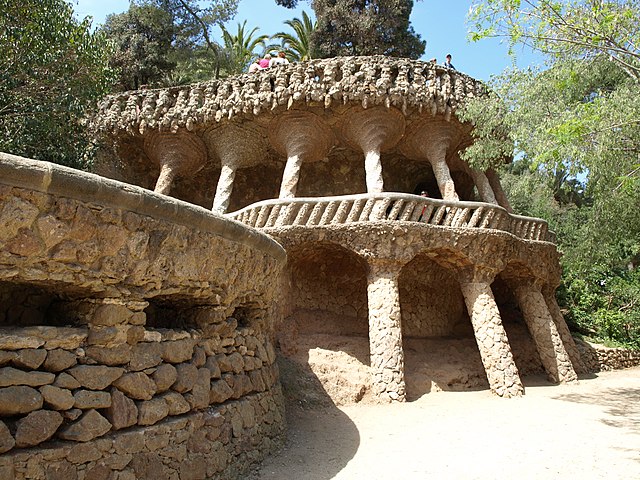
(393, 207)
(378, 80)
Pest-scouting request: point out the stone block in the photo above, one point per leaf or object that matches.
(7, 357)
(199, 357)
(58, 360)
(123, 412)
(108, 336)
(110, 356)
(111, 314)
(64, 380)
(145, 355)
(199, 396)
(57, 398)
(16, 339)
(148, 465)
(91, 425)
(212, 365)
(187, 376)
(193, 469)
(165, 376)
(96, 377)
(19, 400)
(84, 453)
(176, 403)
(224, 363)
(129, 442)
(136, 385)
(7, 441)
(30, 359)
(72, 414)
(236, 361)
(177, 351)
(87, 399)
(152, 411)
(220, 392)
(61, 471)
(37, 427)
(10, 376)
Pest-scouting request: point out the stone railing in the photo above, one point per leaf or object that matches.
(378, 80)
(394, 207)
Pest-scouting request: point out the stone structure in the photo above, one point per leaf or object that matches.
(135, 339)
(328, 157)
(137, 330)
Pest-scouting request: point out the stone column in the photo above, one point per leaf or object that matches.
(563, 330)
(437, 159)
(554, 357)
(224, 189)
(374, 130)
(385, 331)
(496, 186)
(301, 137)
(483, 186)
(495, 351)
(176, 154)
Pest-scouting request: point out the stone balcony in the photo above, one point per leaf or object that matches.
(390, 207)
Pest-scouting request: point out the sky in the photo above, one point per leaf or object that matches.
(440, 22)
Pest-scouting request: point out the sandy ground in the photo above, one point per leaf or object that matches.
(588, 430)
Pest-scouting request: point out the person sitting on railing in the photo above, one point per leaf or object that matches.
(255, 66)
(448, 63)
(264, 63)
(281, 59)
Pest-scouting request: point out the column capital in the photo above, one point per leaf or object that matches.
(477, 274)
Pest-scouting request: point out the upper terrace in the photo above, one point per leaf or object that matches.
(334, 127)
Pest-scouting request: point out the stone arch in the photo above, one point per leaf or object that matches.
(439, 344)
(328, 290)
(405, 175)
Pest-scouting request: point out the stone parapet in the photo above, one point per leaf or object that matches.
(598, 358)
(394, 207)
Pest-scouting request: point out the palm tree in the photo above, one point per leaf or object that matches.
(298, 45)
(239, 48)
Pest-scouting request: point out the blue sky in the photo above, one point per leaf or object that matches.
(440, 22)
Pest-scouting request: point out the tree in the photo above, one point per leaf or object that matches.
(577, 124)
(298, 44)
(363, 27)
(143, 37)
(240, 47)
(52, 70)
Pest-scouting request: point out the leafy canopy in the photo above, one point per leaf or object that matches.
(52, 69)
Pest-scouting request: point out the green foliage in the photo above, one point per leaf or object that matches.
(298, 45)
(52, 68)
(373, 27)
(241, 47)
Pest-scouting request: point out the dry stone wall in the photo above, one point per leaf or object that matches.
(598, 358)
(135, 332)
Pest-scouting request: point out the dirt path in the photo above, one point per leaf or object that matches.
(585, 431)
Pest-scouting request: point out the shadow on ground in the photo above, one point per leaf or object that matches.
(621, 405)
(320, 437)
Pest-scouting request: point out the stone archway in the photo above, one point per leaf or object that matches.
(325, 330)
(439, 344)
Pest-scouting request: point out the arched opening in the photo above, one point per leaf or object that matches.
(465, 187)
(525, 354)
(439, 344)
(254, 184)
(405, 175)
(325, 331)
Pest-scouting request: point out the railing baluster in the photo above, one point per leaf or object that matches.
(450, 215)
(286, 214)
(253, 216)
(379, 211)
(273, 216)
(263, 216)
(407, 211)
(395, 210)
(486, 221)
(366, 210)
(329, 212)
(302, 215)
(425, 213)
(343, 211)
(316, 214)
(440, 213)
(356, 208)
(475, 218)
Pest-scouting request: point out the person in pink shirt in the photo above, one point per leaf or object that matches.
(264, 63)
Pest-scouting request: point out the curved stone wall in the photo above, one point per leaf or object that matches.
(136, 335)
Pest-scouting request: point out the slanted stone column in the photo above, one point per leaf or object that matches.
(495, 351)
(432, 140)
(177, 154)
(484, 187)
(374, 130)
(543, 329)
(385, 331)
(301, 137)
(496, 186)
(224, 188)
(549, 294)
(236, 147)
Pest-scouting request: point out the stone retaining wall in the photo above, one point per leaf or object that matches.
(135, 332)
(600, 358)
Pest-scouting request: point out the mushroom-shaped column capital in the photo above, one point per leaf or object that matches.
(373, 130)
(301, 137)
(177, 154)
